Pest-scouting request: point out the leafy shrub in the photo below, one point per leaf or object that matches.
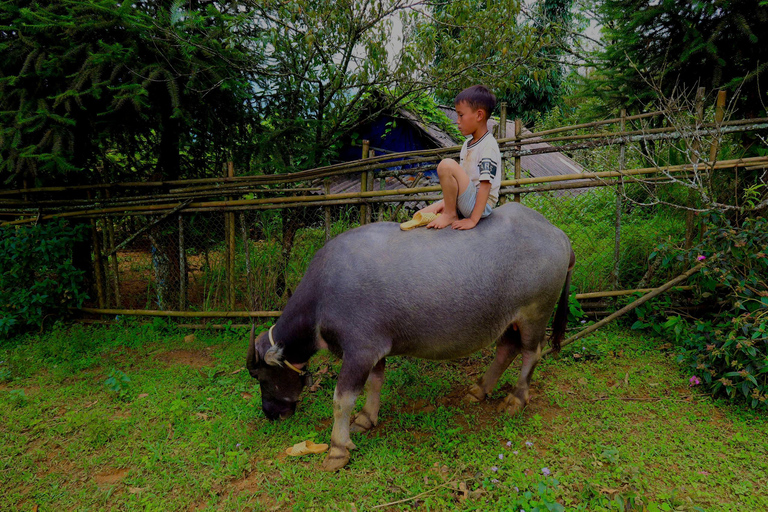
(727, 350)
(37, 278)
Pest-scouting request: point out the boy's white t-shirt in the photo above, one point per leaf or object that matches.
(481, 160)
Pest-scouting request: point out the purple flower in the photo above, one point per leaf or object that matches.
(515, 452)
(529, 444)
(501, 456)
(546, 471)
(494, 481)
(238, 445)
(516, 489)
(494, 469)
(694, 381)
(509, 443)
(701, 257)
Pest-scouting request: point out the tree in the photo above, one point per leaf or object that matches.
(518, 53)
(677, 44)
(77, 78)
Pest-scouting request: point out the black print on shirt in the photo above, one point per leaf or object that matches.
(488, 168)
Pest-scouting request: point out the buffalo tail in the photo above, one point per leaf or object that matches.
(561, 315)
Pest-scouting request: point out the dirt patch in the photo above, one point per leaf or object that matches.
(252, 483)
(193, 358)
(110, 477)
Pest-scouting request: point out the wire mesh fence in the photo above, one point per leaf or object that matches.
(189, 262)
(242, 244)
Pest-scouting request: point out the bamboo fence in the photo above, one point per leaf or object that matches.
(104, 204)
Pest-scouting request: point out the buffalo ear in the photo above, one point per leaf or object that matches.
(274, 356)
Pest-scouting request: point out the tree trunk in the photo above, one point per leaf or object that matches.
(165, 236)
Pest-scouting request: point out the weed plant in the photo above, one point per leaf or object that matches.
(726, 349)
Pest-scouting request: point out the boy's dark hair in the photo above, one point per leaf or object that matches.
(477, 96)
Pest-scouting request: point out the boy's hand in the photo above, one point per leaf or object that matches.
(464, 224)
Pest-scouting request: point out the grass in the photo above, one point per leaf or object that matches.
(134, 417)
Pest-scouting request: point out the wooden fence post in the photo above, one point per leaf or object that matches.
(518, 147)
(502, 135)
(619, 201)
(719, 116)
(327, 191)
(182, 266)
(364, 183)
(369, 188)
(113, 253)
(231, 245)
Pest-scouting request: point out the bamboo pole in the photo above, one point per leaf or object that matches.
(385, 161)
(669, 133)
(181, 314)
(364, 183)
(629, 307)
(619, 198)
(368, 188)
(518, 163)
(619, 293)
(274, 314)
(327, 212)
(318, 199)
(113, 257)
(593, 124)
(128, 240)
(719, 116)
(231, 247)
(182, 266)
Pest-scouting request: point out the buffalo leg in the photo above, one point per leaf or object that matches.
(507, 349)
(368, 417)
(352, 378)
(532, 340)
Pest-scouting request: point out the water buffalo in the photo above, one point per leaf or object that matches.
(376, 291)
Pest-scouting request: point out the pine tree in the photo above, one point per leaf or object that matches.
(718, 44)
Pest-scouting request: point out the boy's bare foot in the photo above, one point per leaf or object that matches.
(443, 221)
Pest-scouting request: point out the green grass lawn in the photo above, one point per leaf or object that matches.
(133, 417)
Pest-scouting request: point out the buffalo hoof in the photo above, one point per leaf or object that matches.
(362, 423)
(475, 394)
(512, 405)
(336, 459)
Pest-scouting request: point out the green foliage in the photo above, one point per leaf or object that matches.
(37, 278)
(494, 44)
(679, 45)
(79, 79)
(118, 383)
(427, 110)
(726, 350)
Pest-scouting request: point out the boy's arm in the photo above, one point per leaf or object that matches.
(483, 191)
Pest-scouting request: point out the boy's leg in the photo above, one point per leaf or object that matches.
(436, 207)
(454, 181)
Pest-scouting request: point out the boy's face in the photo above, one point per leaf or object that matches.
(469, 120)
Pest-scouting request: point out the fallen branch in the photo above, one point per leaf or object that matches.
(629, 307)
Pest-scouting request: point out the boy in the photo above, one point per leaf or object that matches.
(471, 187)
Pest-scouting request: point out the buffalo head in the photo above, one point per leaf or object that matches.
(281, 385)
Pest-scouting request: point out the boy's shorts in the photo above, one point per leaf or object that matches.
(467, 200)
